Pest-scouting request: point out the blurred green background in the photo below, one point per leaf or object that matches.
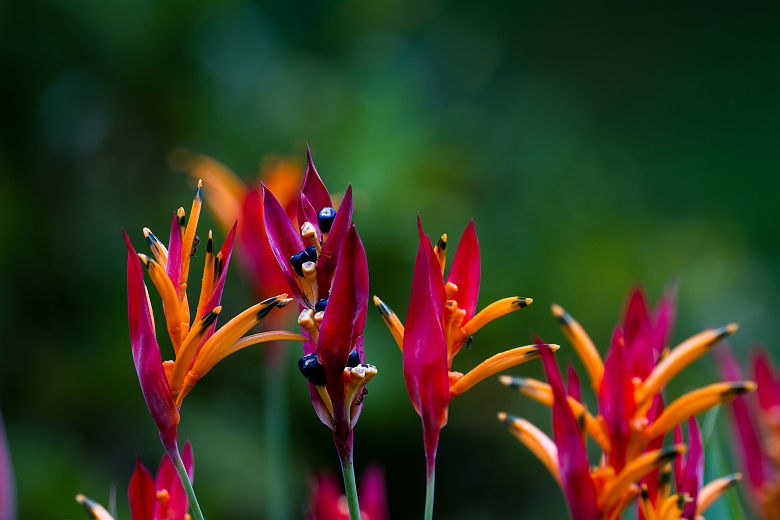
(595, 147)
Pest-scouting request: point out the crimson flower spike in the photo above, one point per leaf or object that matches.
(160, 498)
(756, 427)
(632, 420)
(326, 501)
(197, 344)
(440, 320)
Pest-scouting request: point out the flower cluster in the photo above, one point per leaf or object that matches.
(632, 420)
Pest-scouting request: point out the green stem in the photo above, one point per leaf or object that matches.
(276, 435)
(429, 486)
(185, 481)
(348, 468)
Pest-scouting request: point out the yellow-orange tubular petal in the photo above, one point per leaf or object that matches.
(189, 349)
(207, 282)
(215, 347)
(392, 322)
(542, 393)
(680, 357)
(628, 497)
(635, 470)
(440, 251)
(648, 512)
(493, 311)
(159, 251)
(535, 440)
(672, 507)
(495, 364)
(170, 300)
(714, 490)
(582, 344)
(695, 402)
(96, 511)
(226, 191)
(205, 363)
(189, 233)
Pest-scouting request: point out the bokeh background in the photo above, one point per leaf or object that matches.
(596, 148)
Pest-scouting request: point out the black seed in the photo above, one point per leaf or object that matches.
(312, 370)
(353, 360)
(311, 253)
(325, 218)
(297, 261)
(320, 305)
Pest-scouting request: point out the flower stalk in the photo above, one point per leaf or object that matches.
(350, 486)
(430, 484)
(186, 483)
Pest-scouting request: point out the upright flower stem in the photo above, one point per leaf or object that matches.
(185, 481)
(429, 487)
(276, 437)
(348, 469)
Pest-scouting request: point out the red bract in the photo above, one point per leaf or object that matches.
(631, 422)
(758, 440)
(160, 498)
(440, 320)
(309, 254)
(328, 503)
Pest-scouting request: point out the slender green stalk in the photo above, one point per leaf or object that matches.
(185, 481)
(348, 468)
(429, 486)
(276, 435)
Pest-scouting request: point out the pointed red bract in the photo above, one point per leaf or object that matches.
(329, 255)
(313, 187)
(768, 387)
(284, 240)
(425, 349)
(142, 494)
(168, 479)
(173, 266)
(573, 384)
(616, 400)
(345, 315)
(572, 457)
(746, 429)
(465, 271)
(257, 258)
(307, 213)
(146, 353)
(693, 478)
(663, 320)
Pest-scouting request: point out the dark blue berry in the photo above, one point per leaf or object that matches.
(311, 253)
(325, 218)
(354, 359)
(297, 260)
(312, 370)
(320, 305)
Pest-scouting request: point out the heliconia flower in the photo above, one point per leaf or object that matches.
(308, 254)
(327, 502)
(758, 441)
(197, 345)
(152, 498)
(440, 320)
(632, 419)
(232, 200)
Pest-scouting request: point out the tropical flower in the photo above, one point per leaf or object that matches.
(632, 419)
(231, 200)
(152, 498)
(326, 501)
(197, 345)
(758, 441)
(440, 320)
(326, 269)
